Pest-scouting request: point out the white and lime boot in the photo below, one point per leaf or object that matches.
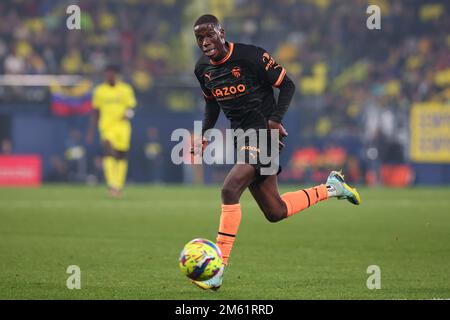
(341, 189)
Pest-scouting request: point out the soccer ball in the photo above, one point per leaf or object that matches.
(200, 259)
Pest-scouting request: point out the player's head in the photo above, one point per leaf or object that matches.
(111, 73)
(210, 37)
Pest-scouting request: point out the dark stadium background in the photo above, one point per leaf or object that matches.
(355, 87)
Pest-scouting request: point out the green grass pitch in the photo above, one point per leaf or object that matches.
(128, 248)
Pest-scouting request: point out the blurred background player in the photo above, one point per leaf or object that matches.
(113, 102)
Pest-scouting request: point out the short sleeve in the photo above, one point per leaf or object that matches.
(270, 69)
(201, 79)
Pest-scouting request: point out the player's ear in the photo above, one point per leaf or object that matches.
(222, 35)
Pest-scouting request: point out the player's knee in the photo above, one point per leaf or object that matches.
(230, 194)
(107, 148)
(121, 155)
(275, 214)
(109, 153)
(273, 217)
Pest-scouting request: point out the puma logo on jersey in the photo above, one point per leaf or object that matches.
(208, 76)
(250, 148)
(228, 91)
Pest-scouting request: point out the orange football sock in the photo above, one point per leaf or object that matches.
(229, 225)
(300, 200)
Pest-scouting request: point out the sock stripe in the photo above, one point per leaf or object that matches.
(317, 193)
(307, 195)
(227, 234)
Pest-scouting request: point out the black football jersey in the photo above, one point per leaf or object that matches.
(242, 84)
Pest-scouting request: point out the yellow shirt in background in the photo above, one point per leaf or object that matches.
(112, 103)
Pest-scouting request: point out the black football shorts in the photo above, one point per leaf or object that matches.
(258, 148)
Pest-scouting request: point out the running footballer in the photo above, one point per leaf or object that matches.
(239, 80)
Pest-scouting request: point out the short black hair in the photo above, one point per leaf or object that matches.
(207, 19)
(112, 67)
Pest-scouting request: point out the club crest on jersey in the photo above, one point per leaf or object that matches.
(236, 72)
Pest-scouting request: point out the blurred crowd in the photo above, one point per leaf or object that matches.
(351, 81)
(325, 46)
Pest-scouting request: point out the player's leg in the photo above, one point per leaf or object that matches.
(237, 180)
(276, 207)
(109, 163)
(121, 145)
(265, 192)
(122, 168)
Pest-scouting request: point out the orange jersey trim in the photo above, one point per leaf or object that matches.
(224, 59)
(280, 78)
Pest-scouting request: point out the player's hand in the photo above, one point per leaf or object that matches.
(198, 146)
(281, 130)
(279, 127)
(129, 114)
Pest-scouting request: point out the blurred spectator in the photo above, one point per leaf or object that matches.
(6, 147)
(14, 64)
(95, 175)
(153, 150)
(325, 47)
(75, 155)
(58, 170)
